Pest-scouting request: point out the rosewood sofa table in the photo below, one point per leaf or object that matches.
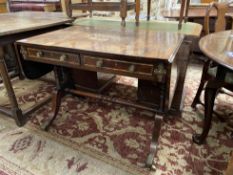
(14, 26)
(137, 52)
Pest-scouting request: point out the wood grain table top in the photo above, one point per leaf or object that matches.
(219, 47)
(13, 23)
(120, 41)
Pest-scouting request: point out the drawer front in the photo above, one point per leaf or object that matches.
(156, 71)
(51, 56)
(117, 65)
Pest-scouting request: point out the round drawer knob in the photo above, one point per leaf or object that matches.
(39, 54)
(63, 57)
(131, 68)
(99, 63)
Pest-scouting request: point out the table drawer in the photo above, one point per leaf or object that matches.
(52, 56)
(117, 65)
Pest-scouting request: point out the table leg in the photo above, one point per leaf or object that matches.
(61, 84)
(123, 11)
(56, 102)
(90, 5)
(19, 65)
(148, 9)
(211, 90)
(187, 10)
(183, 57)
(196, 99)
(16, 111)
(182, 9)
(154, 142)
(210, 93)
(137, 12)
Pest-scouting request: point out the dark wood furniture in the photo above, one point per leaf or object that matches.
(144, 54)
(194, 13)
(17, 26)
(182, 14)
(219, 48)
(146, 90)
(184, 9)
(34, 5)
(220, 25)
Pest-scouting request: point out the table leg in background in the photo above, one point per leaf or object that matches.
(137, 12)
(15, 110)
(148, 9)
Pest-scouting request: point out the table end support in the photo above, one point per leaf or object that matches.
(158, 119)
(56, 101)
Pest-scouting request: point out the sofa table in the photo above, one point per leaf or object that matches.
(19, 25)
(145, 54)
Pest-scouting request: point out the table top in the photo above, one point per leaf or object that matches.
(219, 47)
(120, 41)
(188, 29)
(13, 23)
(194, 12)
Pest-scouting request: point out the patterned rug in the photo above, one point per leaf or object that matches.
(96, 137)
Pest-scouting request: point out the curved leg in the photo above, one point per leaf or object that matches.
(61, 82)
(198, 94)
(154, 142)
(204, 78)
(210, 94)
(56, 102)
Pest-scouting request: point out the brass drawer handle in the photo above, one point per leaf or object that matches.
(160, 72)
(99, 63)
(39, 54)
(131, 68)
(63, 57)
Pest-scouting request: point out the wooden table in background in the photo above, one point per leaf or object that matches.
(19, 25)
(194, 13)
(219, 48)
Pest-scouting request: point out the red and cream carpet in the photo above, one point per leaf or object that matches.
(92, 137)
